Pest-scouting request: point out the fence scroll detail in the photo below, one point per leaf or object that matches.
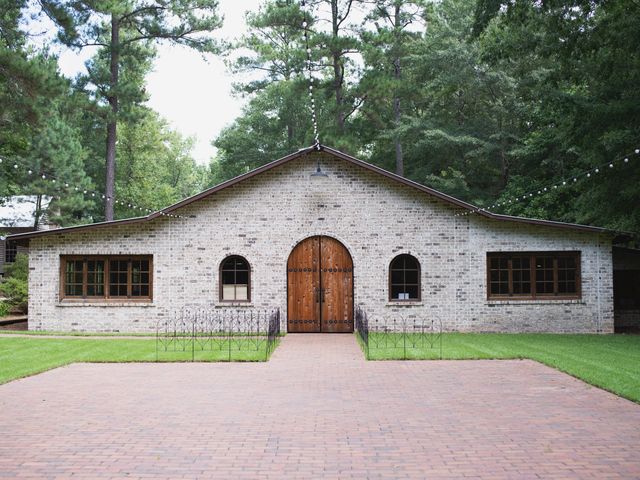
(398, 337)
(208, 334)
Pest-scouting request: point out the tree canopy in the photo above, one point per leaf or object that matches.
(486, 100)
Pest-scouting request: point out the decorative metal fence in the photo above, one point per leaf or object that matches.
(399, 337)
(206, 334)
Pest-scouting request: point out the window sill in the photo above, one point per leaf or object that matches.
(90, 303)
(405, 303)
(543, 301)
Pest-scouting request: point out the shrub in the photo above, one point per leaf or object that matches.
(15, 287)
(5, 309)
(18, 269)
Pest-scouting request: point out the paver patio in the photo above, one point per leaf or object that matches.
(317, 409)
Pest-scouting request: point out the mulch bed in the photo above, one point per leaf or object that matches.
(14, 322)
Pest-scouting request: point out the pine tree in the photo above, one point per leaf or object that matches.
(122, 30)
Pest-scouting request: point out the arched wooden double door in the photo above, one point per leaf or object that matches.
(320, 287)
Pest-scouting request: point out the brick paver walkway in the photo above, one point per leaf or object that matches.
(317, 410)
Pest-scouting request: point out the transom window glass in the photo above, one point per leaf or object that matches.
(534, 275)
(235, 274)
(404, 278)
(108, 277)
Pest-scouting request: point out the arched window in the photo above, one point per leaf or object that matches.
(235, 277)
(404, 278)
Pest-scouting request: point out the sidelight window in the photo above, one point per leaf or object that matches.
(235, 275)
(404, 278)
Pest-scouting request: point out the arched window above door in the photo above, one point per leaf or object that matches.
(235, 279)
(404, 278)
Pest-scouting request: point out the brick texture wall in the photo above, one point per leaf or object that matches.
(264, 217)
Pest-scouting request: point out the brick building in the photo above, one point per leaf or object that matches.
(317, 246)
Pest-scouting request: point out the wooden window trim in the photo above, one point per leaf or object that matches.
(106, 298)
(390, 284)
(221, 284)
(532, 256)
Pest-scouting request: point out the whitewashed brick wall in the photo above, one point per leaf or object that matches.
(264, 217)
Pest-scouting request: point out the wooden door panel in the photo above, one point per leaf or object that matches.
(336, 279)
(303, 286)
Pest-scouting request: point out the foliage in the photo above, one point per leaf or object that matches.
(16, 292)
(276, 120)
(55, 127)
(18, 269)
(482, 99)
(5, 309)
(156, 168)
(125, 33)
(35, 127)
(15, 285)
(577, 70)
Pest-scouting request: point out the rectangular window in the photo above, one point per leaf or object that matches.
(113, 277)
(10, 251)
(536, 275)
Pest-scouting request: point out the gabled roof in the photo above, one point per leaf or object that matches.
(300, 153)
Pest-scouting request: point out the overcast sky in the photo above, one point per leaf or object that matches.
(192, 93)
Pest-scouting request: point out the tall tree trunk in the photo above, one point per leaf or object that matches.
(289, 135)
(110, 174)
(287, 79)
(338, 69)
(38, 212)
(397, 73)
(504, 161)
(399, 158)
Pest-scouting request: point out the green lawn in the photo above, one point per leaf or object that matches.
(611, 362)
(21, 357)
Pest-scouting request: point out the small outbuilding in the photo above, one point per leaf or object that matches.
(316, 234)
(19, 214)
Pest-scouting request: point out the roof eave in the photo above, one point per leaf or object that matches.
(38, 233)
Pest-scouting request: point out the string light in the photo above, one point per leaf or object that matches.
(586, 174)
(58, 183)
(314, 119)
